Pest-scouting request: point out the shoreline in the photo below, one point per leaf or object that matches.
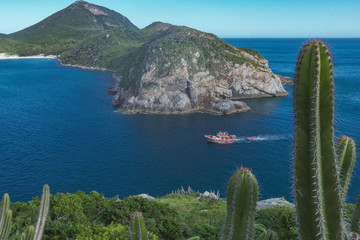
(4, 56)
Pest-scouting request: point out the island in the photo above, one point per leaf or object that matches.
(160, 69)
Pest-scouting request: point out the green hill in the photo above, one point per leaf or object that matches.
(66, 28)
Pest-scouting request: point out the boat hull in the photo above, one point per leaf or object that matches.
(214, 139)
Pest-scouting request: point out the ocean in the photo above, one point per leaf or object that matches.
(57, 127)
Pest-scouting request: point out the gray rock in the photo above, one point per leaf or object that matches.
(144, 195)
(272, 202)
(286, 80)
(229, 106)
(212, 195)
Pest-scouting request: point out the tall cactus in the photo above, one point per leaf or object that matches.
(36, 233)
(346, 153)
(44, 208)
(6, 217)
(242, 195)
(137, 227)
(318, 191)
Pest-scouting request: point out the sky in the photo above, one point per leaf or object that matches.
(225, 18)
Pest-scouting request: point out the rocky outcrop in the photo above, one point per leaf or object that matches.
(273, 202)
(189, 71)
(286, 80)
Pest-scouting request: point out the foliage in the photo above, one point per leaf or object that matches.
(280, 219)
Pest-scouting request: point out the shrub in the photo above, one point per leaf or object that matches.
(281, 219)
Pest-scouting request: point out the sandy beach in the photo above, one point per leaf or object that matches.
(4, 56)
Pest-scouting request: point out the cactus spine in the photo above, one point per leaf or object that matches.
(242, 194)
(355, 220)
(318, 193)
(6, 217)
(346, 153)
(137, 227)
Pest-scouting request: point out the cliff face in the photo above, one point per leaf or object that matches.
(184, 70)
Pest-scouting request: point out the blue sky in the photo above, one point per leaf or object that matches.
(225, 18)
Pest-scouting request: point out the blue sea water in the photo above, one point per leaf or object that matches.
(57, 127)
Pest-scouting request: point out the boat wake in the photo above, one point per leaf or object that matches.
(265, 138)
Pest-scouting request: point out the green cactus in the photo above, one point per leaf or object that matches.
(355, 220)
(6, 217)
(346, 153)
(137, 227)
(242, 194)
(44, 208)
(29, 235)
(271, 235)
(318, 191)
(36, 233)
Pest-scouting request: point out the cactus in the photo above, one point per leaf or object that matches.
(44, 208)
(137, 227)
(36, 233)
(346, 153)
(271, 235)
(355, 220)
(6, 217)
(29, 235)
(317, 182)
(242, 194)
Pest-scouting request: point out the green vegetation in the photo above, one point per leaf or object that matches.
(65, 29)
(175, 216)
(31, 232)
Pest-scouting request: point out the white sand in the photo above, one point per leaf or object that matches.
(4, 56)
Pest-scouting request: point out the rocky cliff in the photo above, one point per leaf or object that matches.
(184, 70)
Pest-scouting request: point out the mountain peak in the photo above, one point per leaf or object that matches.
(78, 21)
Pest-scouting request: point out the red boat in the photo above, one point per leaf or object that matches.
(251, 138)
(221, 137)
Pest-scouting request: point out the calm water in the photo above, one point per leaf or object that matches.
(57, 127)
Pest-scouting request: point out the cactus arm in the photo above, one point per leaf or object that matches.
(355, 220)
(44, 208)
(137, 227)
(6, 217)
(346, 152)
(4, 209)
(242, 197)
(29, 234)
(5, 231)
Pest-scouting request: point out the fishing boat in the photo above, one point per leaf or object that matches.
(221, 137)
(251, 138)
